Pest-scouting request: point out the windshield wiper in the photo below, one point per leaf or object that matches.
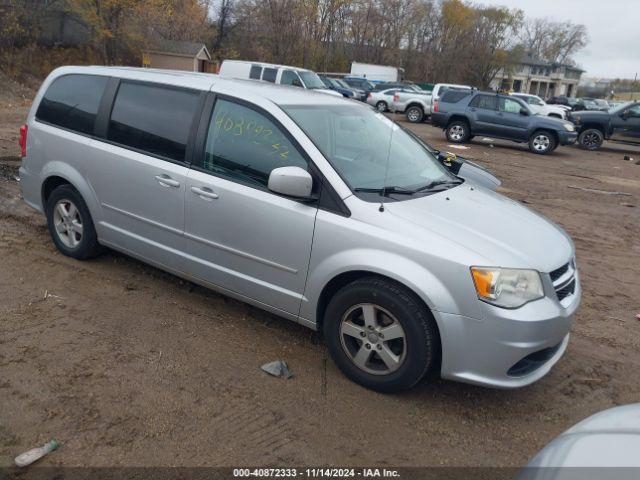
(386, 190)
(438, 183)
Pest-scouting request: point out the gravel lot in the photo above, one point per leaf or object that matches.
(127, 365)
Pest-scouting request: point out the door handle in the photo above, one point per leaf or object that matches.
(167, 181)
(205, 193)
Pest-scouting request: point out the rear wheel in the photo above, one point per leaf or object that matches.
(380, 335)
(70, 223)
(458, 132)
(414, 114)
(381, 106)
(542, 142)
(591, 139)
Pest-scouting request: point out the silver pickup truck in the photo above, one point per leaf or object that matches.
(418, 106)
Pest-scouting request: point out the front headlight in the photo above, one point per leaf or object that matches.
(568, 127)
(507, 287)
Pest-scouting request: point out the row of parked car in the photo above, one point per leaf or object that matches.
(464, 112)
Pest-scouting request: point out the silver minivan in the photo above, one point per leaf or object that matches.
(318, 209)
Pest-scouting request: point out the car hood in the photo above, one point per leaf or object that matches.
(545, 121)
(590, 114)
(495, 228)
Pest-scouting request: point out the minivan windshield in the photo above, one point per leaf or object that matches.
(369, 151)
(311, 80)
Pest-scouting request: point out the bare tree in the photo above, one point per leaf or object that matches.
(553, 41)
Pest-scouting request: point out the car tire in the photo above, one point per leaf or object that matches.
(356, 340)
(591, 139)
(414, 114)
(382, 106)
(458, 132)
(70, 224)
(542, 142)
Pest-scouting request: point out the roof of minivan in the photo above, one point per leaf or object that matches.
(278, 94)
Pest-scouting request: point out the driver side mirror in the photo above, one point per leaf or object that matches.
(524, 111)
(291, 181)
(296, 83)
(625, 114)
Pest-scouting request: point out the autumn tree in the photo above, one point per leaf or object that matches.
(552, 41)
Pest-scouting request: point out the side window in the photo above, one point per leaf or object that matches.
(246, 146)
(635, 111)
(509, 105)
(255, 72)
(72, 102)
(390, 92)
(486, 102)
(153, 118)
(270, 74)
(289, 77)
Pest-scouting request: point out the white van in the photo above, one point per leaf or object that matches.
(280, 74)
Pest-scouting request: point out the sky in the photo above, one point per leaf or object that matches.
(613, 26)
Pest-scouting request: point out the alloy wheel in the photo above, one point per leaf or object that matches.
(373, 339)
(591, 140)
(413, 115)
(541, 143)
(381, 107)
(68, 223)
(456, 133)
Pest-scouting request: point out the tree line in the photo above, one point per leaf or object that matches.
(433, 40)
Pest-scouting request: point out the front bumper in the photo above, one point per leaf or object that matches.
(567, 138)
(506, 348)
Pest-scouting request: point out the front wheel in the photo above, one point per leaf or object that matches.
(414, 114)
(591, 139)
(542, 142)
(380, 335)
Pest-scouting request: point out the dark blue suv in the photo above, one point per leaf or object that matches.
(466, 113)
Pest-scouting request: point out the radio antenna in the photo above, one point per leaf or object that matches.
(386, 168)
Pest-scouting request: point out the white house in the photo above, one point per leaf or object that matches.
(538, 77)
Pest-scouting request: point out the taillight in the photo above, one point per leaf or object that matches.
(396, 97)
(435, 105)
(23, 140)
(369, 95)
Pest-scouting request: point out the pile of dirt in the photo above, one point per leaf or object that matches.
(16, 93)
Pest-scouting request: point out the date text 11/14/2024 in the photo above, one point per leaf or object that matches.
(316, 472)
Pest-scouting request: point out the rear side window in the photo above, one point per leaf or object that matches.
(454, 96)
(72, 102)
(486, 102)
(245, 145)
(269, 75)
(255, 72)
(153, 118)
(510, 105)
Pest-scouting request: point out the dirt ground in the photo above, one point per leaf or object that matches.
(126, 365)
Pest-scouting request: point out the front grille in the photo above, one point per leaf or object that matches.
(564, 280)
(564, 292)
(556, 274)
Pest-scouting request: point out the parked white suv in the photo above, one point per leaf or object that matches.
(540, 107)
(316, 208)
(280, 74)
